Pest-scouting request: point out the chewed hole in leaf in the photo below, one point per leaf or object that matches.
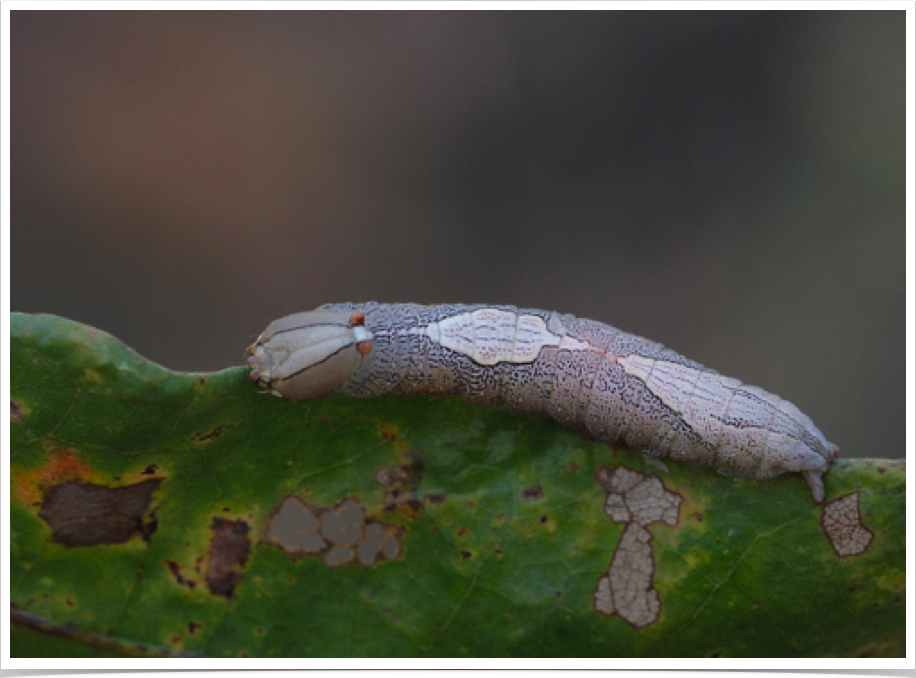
(338, 535)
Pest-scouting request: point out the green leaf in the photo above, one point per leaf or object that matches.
(146, 520)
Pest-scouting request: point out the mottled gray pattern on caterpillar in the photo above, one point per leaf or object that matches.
(592, 378)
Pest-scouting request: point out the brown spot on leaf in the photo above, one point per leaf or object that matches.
(338, 555)
(638, 500)
(388, 476)
(436, 498)
(15, 411)
(842, 524)
(627, 587)
(193, 627)
(294, 527)
(175, 569)
(533, 493)
(572, 467)
(401, 483)
(370, 550)
(465, 554)
(213, 434)
(149, 470)
(338, 535)
(636, 497)
(603, 476)
(229, 550)
(345, 524)
(84, 514)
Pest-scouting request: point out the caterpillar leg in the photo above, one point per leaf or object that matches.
(815, 484)
(652, 459)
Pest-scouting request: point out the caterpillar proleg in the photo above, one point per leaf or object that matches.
(592, 378)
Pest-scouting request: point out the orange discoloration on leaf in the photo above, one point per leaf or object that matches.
(65, 466)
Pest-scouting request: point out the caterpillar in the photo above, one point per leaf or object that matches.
(594, 379)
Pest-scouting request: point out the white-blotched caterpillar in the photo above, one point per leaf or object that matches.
(603, 383)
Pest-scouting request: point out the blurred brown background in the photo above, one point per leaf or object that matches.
(730, 184)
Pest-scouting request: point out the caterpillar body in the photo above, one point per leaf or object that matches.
(592, 378)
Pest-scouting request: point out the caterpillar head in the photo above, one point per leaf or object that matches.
(308, 355)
